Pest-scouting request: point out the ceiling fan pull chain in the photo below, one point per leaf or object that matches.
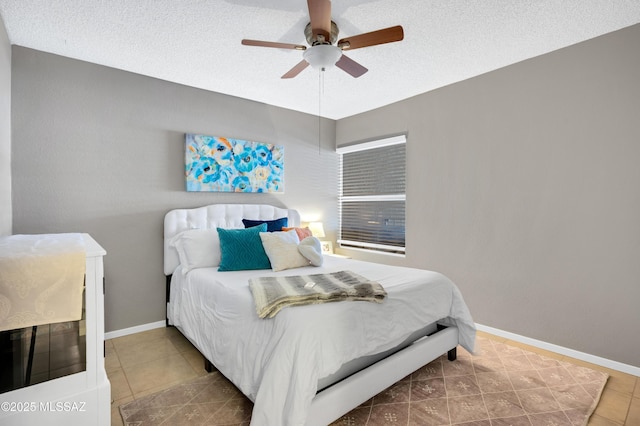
(320, 93)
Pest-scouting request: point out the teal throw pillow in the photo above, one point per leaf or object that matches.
(242, 249)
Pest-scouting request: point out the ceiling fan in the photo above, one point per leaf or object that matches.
(321, 34)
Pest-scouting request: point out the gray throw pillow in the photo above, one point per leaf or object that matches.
(311, 249)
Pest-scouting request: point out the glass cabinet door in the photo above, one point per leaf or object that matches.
(36, 354)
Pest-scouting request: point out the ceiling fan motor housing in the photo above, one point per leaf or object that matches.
(308, 33)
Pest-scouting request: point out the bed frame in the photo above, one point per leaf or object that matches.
(358, 380)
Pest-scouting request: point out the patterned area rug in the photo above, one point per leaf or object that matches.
(500, 385)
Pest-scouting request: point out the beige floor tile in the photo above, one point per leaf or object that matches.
(158, 373)
(181, 343)
(196, 360)
(633, 417)
(145, 351)
(119, 384)
(111, 360)
(636, 392)
(624, 383)
(118, 402)
(145, 336)
(613, 405)
(596, 420)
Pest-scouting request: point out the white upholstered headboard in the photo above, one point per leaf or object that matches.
(216, 216)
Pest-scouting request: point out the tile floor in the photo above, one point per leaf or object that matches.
(144, 363)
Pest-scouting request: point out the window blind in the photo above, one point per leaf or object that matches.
(372, 196)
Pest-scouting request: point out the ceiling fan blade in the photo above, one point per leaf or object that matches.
(320, 16)
(261, 43)
(350, 66)
(296, 70)
(373, 38)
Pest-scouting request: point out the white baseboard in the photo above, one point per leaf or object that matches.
(603, 362)
(136, 329)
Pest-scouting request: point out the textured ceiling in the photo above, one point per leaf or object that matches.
(197, 42)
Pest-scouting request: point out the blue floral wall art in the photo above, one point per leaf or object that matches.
(214, 163)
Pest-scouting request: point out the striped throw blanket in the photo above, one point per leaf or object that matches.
(271, 294)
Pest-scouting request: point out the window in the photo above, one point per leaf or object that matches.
(372, 195)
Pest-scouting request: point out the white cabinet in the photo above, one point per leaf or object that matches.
(78, 399)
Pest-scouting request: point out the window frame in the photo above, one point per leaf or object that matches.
(364, 245)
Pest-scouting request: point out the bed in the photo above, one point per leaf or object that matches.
(308, 364)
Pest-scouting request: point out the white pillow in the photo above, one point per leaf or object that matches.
(282, 250)
(311, 248)
(197, 248)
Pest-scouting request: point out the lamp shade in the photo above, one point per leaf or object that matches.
(316, 229)
(322, 56)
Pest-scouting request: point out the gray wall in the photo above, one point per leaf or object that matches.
(523, 187)
(101, 151)
(5, 132)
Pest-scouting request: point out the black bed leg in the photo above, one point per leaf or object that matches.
(452, 354)
(208, 366)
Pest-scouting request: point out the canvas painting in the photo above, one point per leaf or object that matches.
(214, 163)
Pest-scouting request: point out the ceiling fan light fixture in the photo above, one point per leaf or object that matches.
(322, 56)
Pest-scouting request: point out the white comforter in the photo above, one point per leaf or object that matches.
(277, 362)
